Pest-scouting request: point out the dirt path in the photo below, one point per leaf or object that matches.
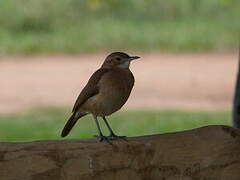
(163, 81)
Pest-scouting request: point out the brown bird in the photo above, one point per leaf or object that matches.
(106, 92)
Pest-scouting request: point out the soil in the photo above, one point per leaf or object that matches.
(163, 81)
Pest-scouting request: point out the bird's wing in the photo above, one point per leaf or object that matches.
(90, 89)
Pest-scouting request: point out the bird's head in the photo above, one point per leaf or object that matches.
(119, 59)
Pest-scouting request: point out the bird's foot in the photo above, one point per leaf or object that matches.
(115, 137)
(104, 138)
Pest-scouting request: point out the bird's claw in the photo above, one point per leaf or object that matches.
(110, 138)
(115, 137)
(104, 138)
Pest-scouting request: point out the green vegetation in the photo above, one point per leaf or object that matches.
(48, 123)
(73, 26)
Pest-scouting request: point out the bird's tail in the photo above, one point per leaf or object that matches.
(71, 122)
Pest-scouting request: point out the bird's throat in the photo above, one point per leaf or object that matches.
(125, 65)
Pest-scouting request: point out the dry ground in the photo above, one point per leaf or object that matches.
(163, 81)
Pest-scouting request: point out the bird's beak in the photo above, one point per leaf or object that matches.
(133, 58)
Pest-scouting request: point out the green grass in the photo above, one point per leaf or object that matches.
(45, 124)
(73, 26)
(114, 36)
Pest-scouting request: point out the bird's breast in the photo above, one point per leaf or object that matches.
(118, 83)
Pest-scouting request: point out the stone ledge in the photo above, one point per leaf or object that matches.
(211, 152)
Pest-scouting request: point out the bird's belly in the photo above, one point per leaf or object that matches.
(106, 102)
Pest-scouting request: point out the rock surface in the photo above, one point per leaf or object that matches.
(207, 153)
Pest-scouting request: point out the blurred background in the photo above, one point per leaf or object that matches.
(184, 79)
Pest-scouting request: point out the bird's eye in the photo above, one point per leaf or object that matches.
(118, 58)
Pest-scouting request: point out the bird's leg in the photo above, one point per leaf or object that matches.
(101, 136)
(112, 134)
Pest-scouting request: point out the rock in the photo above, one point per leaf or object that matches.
(211, 152)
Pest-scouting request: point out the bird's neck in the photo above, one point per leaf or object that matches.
(115, 67)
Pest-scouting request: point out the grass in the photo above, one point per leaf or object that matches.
(113, 36)
(71, 26)
(45, 124)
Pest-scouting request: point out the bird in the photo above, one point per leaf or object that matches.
(106, 92)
